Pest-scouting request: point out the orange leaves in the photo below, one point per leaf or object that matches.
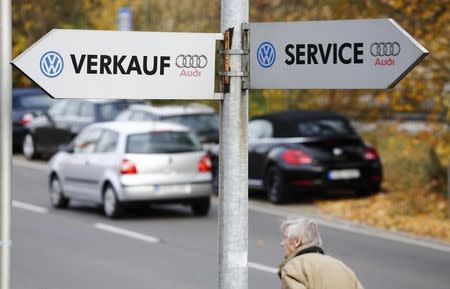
(420, 213)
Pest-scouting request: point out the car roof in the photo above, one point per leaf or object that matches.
(298, 115)
(99, 100)
(170, 110)
(37, 91)
(132, 127)
(18, 92)
(284, 122)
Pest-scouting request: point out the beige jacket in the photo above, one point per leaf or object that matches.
(316, 271)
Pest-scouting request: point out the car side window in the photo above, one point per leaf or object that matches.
(87, 140)
(138, 115)
(126, 115)
(86, 109)
(58, 108)
(260, 128)
(149, 116)
(73, 106)
(107, 142)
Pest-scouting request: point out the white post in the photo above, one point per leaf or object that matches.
(233, 159)
(5, 143)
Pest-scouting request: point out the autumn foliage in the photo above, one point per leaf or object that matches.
(424, 89)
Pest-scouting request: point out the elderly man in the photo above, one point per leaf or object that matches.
(305, 265)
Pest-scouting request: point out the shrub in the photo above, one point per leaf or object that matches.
(410, 161)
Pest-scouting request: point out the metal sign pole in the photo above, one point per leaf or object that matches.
(5, 143)
(233, 159)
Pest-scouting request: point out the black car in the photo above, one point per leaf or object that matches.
(295, 152)
(27, 103)
(202, 120)
(47, 132)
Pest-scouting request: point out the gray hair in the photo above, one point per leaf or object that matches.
(302, 228)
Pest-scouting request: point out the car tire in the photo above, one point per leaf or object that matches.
(201, 207)
(29, 148)
(57, 198)
(274, 185)
(112, 207)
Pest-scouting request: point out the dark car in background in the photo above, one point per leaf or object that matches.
(295, 152)
(201, 119)
(47, 132)
(27, 103)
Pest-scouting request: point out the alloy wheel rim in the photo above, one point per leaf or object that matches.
(28, 146)
(110, 202)
(55, 194)
(275, 180)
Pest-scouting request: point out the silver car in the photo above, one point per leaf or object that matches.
(120, 163)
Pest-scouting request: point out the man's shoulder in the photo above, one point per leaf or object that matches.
(312, 258)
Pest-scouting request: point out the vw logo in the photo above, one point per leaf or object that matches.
(266, 54)
(52, 64)
(385, 49)
(191, 61)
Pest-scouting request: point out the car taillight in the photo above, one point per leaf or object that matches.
(204, 165)
(371, 154)
(296, 157)
(26, 118)
(128, 168)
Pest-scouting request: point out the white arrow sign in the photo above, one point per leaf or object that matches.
(342, 54)
(122, 64)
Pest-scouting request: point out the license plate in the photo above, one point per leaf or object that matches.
(344, 174)
(172, 189)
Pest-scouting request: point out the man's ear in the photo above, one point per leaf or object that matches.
(298, 242)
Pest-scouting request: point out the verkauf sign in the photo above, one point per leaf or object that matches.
(341, 54)
(122, 64)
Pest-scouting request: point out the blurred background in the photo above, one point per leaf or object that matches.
(409, 124)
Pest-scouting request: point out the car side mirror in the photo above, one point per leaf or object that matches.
(68, 148)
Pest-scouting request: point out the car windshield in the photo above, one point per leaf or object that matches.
(33, 102)
(324, 128)
(162, 142)
(196, 122)
(109, 111)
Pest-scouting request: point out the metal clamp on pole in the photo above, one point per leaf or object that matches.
(246, 57)
(5, 243)
(225, 60)
(226, 51)
(232, 73)
(233, 51)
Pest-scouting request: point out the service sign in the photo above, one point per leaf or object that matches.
(122, 64)
(341, 54)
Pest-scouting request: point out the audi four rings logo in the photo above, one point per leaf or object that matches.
(191, 61)
(385, 49)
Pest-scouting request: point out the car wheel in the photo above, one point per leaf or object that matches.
(111, 205)
(274, 185)
(201, 207)
(57, 198)
(28, 147)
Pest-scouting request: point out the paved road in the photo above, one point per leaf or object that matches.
(166, 247)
